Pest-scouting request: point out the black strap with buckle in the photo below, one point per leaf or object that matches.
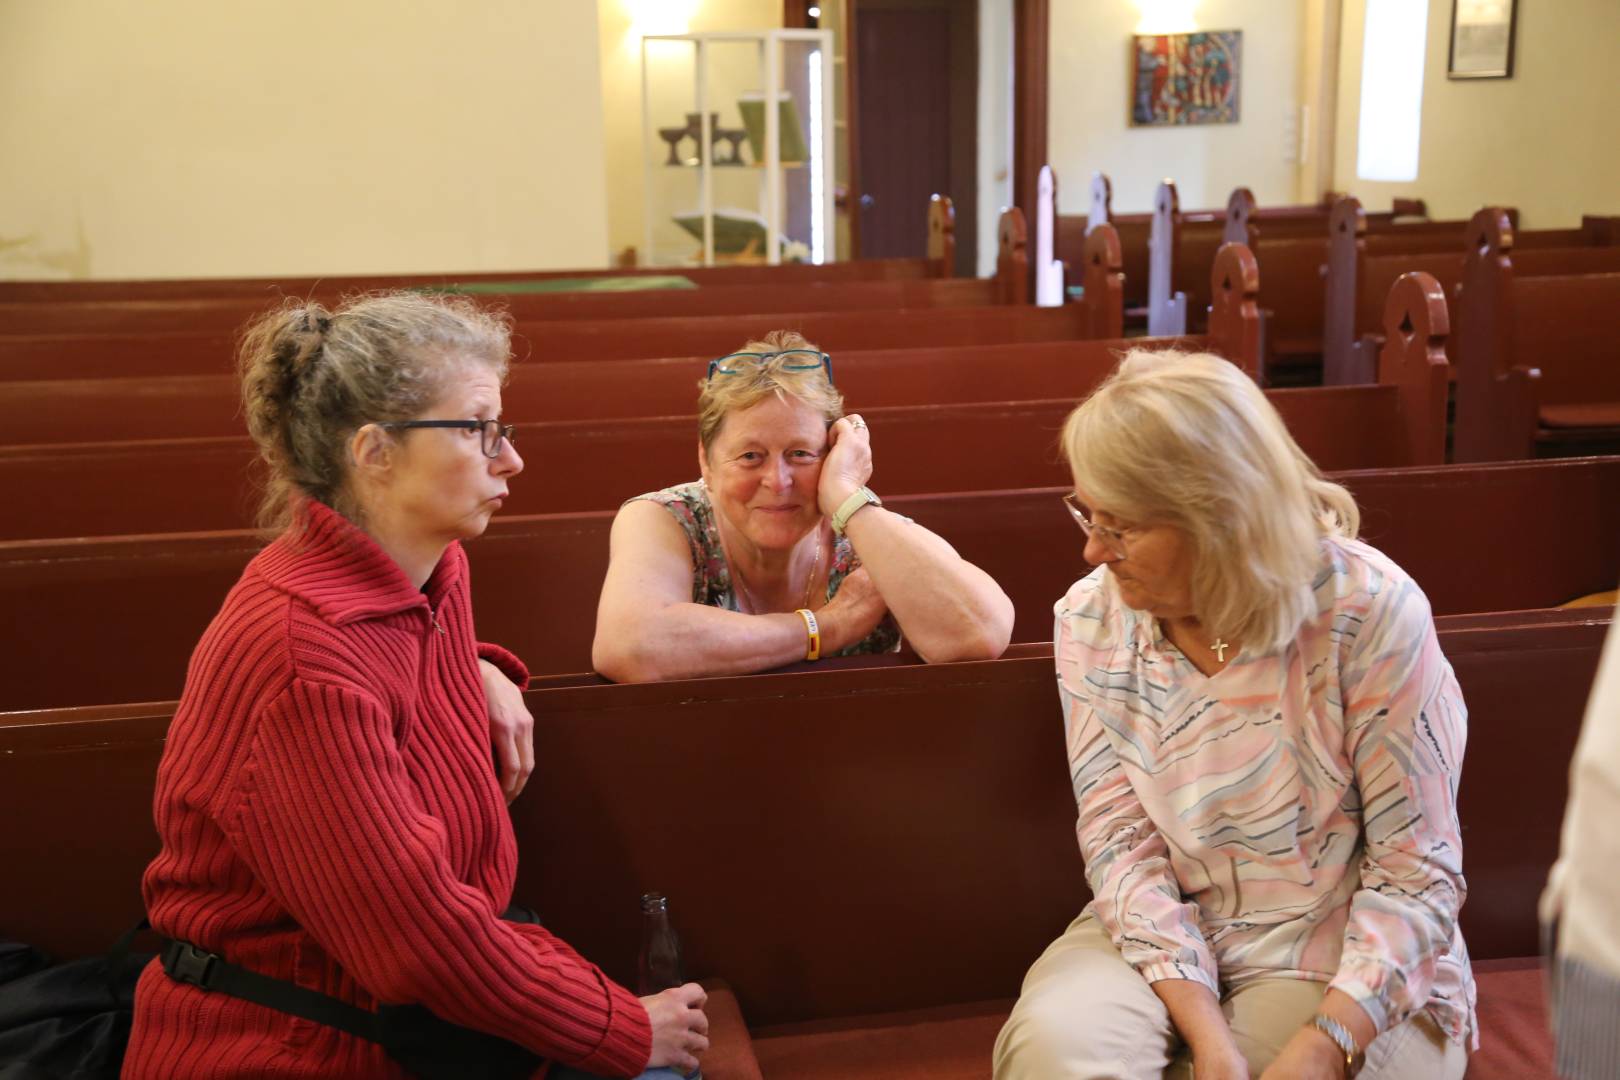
(186, 963)
(425, 1043)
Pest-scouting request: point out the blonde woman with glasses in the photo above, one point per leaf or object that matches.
(781, 551)
(1265, 743)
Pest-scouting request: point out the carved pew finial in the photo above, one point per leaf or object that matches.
(1012, 257)
(1239, 209)
(1167, 310)
(942, 233)
(1104, 281)
(1496, 405)
(1344, 360)
(1490, 232)
(1413, 358)
(1234, 314)
(1102, 200)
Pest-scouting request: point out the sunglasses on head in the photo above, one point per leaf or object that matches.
(787, 360)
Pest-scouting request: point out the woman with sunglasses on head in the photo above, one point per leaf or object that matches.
(780, 551)
(336, 850)
(1265, 742)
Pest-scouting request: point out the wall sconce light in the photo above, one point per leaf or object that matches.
(1166, 16)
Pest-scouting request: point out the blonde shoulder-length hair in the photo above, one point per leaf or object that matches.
(1187, 439)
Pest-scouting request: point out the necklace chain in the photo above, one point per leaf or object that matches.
(753, 606)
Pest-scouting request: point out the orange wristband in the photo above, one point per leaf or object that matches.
(813, 649)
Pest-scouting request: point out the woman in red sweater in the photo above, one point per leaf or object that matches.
(328, 809)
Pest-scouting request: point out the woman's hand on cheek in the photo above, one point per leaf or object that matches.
(847, 465)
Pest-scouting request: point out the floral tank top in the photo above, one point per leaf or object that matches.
(711, 577)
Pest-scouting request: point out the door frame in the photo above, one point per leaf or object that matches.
(1031, 30)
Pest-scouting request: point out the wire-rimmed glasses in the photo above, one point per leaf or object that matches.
(1112, 539)
(492, 434)
(739, 363)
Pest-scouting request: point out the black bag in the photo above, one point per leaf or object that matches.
(66, 1021)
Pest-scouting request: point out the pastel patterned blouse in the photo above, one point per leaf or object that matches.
(711, 577)
(1293, 814)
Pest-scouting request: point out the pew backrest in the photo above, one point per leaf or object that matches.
(828, 804)
(139, 604)
(1531, 351)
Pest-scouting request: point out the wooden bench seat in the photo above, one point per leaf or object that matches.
(886, 847)
(35, 412)
(189, 485)
(1010, 285)
(80, 317)
(137, 605)
(1527, 344)
(1360, 268)
(938, 263)
(1135, 230)
(206, 353)
(1176, 296)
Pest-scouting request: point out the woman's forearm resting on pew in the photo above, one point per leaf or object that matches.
(948, 609)
(684, 640)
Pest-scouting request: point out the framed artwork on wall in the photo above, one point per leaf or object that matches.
(1481, 39)
(1186, 78)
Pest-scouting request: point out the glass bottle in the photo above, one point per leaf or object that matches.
(658, 966)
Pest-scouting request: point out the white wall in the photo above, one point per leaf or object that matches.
(1546, 140)
(1089, 107)
(176, 138)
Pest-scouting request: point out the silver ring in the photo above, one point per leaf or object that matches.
(856, 422)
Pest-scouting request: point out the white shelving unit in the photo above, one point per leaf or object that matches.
(782, 56)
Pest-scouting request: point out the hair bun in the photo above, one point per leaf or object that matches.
(308, 327)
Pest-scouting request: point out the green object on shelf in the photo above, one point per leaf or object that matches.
(791, 134)
(734, 230)
(628, 283)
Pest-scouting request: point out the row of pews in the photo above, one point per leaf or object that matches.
(885, 846)
(1534, 378)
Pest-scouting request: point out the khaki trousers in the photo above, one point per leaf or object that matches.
(1086, 1013)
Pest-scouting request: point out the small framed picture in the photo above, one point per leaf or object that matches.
(1481, 39)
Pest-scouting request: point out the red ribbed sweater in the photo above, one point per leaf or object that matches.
(329, 813)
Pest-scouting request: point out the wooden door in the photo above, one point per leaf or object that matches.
(914, 97)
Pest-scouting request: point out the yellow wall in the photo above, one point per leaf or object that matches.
(1546, 140)
(173, 138)
(621, 104)
(1089, 106)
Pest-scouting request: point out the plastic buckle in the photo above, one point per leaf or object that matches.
(188, 964)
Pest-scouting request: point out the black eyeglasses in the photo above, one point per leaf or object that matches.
(492, 433)
(790, 360)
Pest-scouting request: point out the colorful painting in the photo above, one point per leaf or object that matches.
(1187, 78)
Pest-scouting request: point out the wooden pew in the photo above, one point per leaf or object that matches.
(203, 484)
(79, 318)
(1289, 252)
(1537, 370)
(224, 315)
(824, 802)
(1135, 230)
(142, 356)
(33, 412)
(138, 604)
(939, 262)
(1360, 267)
